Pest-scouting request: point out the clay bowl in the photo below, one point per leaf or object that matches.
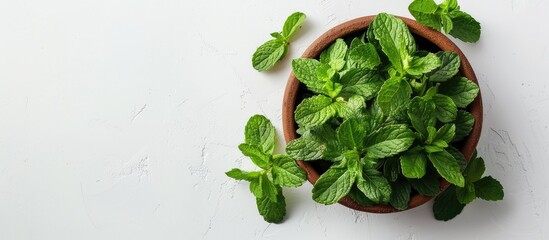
(426, 39)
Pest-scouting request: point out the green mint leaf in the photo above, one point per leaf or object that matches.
(257, 156)
(449, 67)
(446, 205)
(421, 65)
(446, 109)
(391, 169)
(462, 90)
(432, 131)
(446, 134)
(272, 211)
(243, 175)
(325, 72)
(447, 23)
(400, 195)
(474, 170)
(268, 188)
(466, 194)
(374, 186)
(360, 81)
(422, 115)
(314, 111)
(359, 197)
(488, 188)
(424, 12)
(335, 54)
(464, 124)
(447, 166)
(465, 27)
(429, 185)
(351, 133)
(268, 54)
(395, 39)
(333, 185)
(458, 156)
(388, 141)
(305, 148)
(393, 96)
(305, 71)
(278, 36)
(354, 107)
(414, 164)
(292, 24)
(256, 187)
(260, 132)
(286, 172)
(364, 56)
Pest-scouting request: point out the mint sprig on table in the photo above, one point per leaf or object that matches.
(273, 50)
(446, 16)
(386, 115)
(277, 170)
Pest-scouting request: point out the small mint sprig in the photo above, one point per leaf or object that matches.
(451, 202)
(447, 16)
(277, 170)
(268, 54)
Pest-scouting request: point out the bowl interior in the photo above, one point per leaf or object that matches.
(426, 39)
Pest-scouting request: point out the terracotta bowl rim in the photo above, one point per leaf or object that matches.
(361, 24)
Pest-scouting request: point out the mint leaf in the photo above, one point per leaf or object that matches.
(305, 148)
(447, 166)
(364, 56)
(449, 67)
(278, 36)
(260, 132)
(462, 90)
(458, 156)
(325, 72)
(466, 194)
(359, 197)
(292, 24)
(351, 133)
(268, 188)
(395, 39)
(354, 107)
(314, 111)
(335, 54)
(256, 187)
(257, 156)
(400, 195)
(422, 115)
(333, 185)
(360, 81)
(447, 23)
(374, 186)
(488, 188)
(243, 175)
(391, 169)
(464, 124)
(421, 65)
(446, 133)
(268, 54)
(388, 141)
(414, 164)
(465, 27)
(424, 12)
(286, 172)
(474, 170)
(305, 71)
(429, 185)
(272, 211)
(393, 96)
(446, 205)
(446, 109)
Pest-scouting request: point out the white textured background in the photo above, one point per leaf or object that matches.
(118, 119)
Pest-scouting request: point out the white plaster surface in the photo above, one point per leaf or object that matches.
(118, 119)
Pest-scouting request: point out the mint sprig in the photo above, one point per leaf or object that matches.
(277, 170)
(269, 53)
(448, 17)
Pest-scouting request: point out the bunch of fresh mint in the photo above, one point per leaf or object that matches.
(386, 114)
(447, 16)
(277, 170)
